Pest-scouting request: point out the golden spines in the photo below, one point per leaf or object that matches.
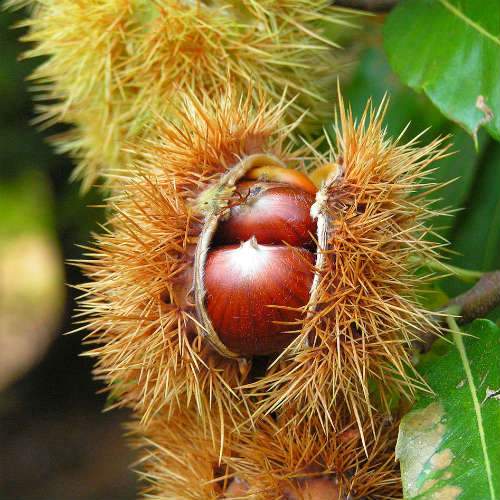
(320, 410)
(139, 304)
(356, 341)
(113, 66)
(354, 345)
(182, 458)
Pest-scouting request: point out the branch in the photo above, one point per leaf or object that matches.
(368, 5)
(480, 299)
(475, 303)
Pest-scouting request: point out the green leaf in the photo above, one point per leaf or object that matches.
(450, 49)
(26, 205)
(476, 235)
(457, 173)
(449, 445)
(374, 78)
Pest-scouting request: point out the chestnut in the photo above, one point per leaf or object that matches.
(289, 176)
(255, 259)
(253, 293)
(272, 212)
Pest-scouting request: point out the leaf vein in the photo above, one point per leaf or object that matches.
(457, 338)
(467, 20)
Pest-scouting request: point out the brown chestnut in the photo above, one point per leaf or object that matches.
(272, 212)
(253, 292)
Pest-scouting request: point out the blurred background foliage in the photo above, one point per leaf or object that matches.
(55, 442)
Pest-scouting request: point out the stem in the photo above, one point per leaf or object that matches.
(465, 275)
(480, 299)
(368, 5)
(476, 302)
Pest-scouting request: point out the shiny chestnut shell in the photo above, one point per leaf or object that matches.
(255, 259)
(272, 212)
(244, 284)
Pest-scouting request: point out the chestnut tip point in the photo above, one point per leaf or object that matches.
(253, 299)
(251, 243)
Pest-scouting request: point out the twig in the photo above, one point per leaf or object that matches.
(480, 299)
(477, 302)
(465, 275)
(368, 5)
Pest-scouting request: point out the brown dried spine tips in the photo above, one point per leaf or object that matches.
(258, 272)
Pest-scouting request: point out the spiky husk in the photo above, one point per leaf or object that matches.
(183, 459)
(113, 66)
(354, 346)
(180, 457)
(138, 304)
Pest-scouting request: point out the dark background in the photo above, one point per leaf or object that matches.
(55, 442)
